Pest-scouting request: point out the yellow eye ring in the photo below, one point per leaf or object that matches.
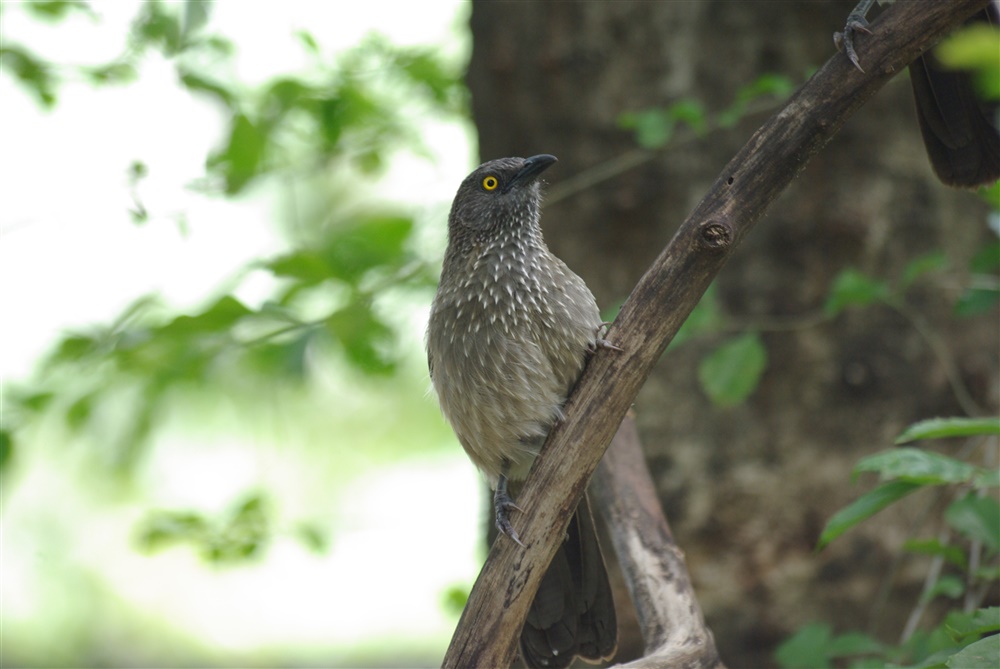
(490, 183)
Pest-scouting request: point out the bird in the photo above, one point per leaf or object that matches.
(959, 128)
(509, 332)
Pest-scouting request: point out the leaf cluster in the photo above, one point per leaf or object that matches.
(732, 370)
(655, 127)
(967, 637)
(237, 535)
(344, 115)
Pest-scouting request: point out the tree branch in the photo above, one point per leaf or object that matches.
(669, 615)
(498, 604)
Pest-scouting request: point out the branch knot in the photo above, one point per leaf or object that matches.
(715, 235)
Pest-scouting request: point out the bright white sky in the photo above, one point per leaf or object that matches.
(70, 257)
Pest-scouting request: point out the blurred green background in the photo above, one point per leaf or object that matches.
(221, 228)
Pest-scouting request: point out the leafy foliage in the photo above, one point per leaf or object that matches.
(239, 534)
(731, 371)
(654, 128)
(815, 646)
(965, 638)
(340, 119)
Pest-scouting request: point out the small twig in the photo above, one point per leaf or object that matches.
(629, 160)
(776, 323)
(941, 351)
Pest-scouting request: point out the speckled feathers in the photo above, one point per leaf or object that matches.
(511, 324)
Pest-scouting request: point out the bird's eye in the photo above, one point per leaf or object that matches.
(490, 183)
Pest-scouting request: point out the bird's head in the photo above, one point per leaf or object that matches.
(499, 196)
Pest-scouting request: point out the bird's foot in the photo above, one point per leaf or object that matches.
(856, 23)
(845, 40)
(600, 341)
(604, 343)
(502, 505)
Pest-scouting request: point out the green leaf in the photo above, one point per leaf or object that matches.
(240, 161)
(350, 252)
(952, 554)
(314, 537)
(365, 339)
(55, 9)
(932, 262)
(79, 411)
(852, 644)
(949, 586)
(284, 358)
(961, 625)
(982, 654)
(852, 288)
(219, 317)
(165, 528)
(282, 96)
(975, 48)
(6, 449)
(939, 428)
(195, 17)
(777, 85)
(690, 112)
(976, 517)
(927, 649)
(351, 107)
(244, 535)
(137, 171)
(730, 373)
(353, 250)
(74, 347)
(917, 466)
(306, 266)
(976, 301)
(766, 85)
(197, 83)
(111, 73)
(426, 69)
(455, 598)
(308, 41)
(38, 401)
(653, 127)
(158, 27)
(865, 507)
(806, 649)
(986, 259)
(34, 74)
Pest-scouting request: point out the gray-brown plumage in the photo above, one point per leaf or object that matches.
(509, 333)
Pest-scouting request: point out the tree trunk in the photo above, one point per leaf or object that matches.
(747, 489)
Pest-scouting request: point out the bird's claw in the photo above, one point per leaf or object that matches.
(856, 23)
(502, 505)
(604, 343)
(502, 508)
(601, 342)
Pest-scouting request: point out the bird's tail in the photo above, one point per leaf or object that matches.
(573, 613)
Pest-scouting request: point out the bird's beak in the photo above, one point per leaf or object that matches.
(532, 167)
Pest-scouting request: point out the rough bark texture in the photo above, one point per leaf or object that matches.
(748, 489)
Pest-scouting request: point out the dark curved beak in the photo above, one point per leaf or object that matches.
(532, 167)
